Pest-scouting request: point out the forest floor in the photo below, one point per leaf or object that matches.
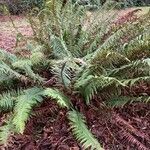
(126, 128)
(8, 33)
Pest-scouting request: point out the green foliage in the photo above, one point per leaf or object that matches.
(3, 8)
(61, 99)
(26, 66)
(123, 100)
(77, 122)
(81, 132)
(90, 86)
(21, 102)
(131, 3)
(59, 48)
(20, 6)
(96, 59)
(24, 104)
(5, 132)
(7, 100)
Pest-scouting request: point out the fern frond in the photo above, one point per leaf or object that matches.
(92, 84)
(7, 100)
(82, 134)
(133, 30)
(36, 58)
(62, 73)
(139, 68)
(35, 47)
(7, 56)
(133, 81)
(118, 101)
(138, 47)
(6, 131)
(7, 70)
(60, 98)
(64, 70)
(123, 100)
(59, 47)
(24, 104)
(26, 65)
(109, 59)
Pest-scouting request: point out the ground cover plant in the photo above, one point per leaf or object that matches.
(76, 66)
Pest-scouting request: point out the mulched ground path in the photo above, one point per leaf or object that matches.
(126, 128)
(8, 33)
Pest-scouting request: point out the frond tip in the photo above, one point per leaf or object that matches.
(81, 132)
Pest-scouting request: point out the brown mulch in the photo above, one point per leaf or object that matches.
(117, 129)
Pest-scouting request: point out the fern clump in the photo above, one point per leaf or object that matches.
(88, 59)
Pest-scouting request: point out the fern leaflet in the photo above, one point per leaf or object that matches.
(61, 99)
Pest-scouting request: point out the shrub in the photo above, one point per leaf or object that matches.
(132, 3)
(20, 6)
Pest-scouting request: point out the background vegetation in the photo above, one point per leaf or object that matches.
(20, 6)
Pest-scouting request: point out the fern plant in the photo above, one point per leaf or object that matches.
(20, 101)
(97, 61)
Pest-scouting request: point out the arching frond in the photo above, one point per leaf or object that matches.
(109, 59)
(139, 68)
(81, 132)
(92, 84)
(26, 65)
(7, 100)
(122, 100)
(60, 49)
(115, 41)
(24, 104)
(6, 70)
(134, 81)
(7, 56)
(138, 48)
